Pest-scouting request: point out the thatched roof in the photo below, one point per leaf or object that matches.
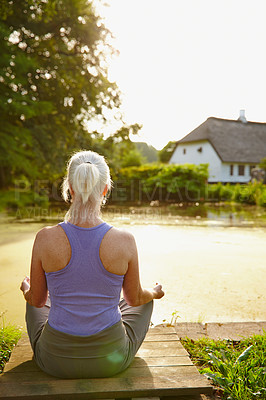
(234, 141)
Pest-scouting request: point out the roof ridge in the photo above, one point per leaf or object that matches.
(236, 120)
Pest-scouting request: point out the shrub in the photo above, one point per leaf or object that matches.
(9, 336)
(238, 368)
(251, 193)
(160, 182)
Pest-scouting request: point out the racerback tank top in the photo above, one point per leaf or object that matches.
(84, 295)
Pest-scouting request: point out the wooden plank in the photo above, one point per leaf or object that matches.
(147, 398)
(153, 349)
(179, 372)
(162, 338)
(161, 361)
(135, 382)
(48, 393)
(26, 366)
(161, 329)
(19, 358)
(31, 366)
(140, 372)
(190, 397)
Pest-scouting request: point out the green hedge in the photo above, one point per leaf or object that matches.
(180, 183)
(160, 182)
(250, 193)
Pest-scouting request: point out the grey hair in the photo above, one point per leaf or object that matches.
(87, 176)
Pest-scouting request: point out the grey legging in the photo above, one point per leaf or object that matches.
(100, 355)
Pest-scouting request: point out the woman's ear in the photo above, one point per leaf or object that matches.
(71, 190)
(105, 190)
(68, 196)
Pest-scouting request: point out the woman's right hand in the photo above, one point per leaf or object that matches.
(25, 284)
(158, 292)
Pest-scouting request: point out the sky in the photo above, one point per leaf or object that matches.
(182, 61)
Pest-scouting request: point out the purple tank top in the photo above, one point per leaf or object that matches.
(84, 295)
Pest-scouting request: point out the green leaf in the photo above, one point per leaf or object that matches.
(243, 356)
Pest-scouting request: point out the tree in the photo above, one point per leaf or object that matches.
(117, 146)
(53, 74)
(166, 153)
(132, 159)
(262, 163)
(148, 152)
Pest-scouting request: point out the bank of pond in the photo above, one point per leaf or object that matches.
(144, 185)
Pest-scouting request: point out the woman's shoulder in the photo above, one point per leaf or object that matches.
(116, 250)
(48, 233)
(120, 240)
(121, 234)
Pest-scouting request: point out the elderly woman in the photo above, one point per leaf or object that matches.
(82, 329)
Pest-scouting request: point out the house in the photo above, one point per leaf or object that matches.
(232, 148)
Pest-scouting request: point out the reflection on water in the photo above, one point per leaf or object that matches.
(210, 261)
(174, 214)
(195, 215)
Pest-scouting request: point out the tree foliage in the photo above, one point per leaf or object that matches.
(166, 153)
(262, 163)
(149, 152)
(166, 183)
(132, 159)
(117, 147)
(53, 75)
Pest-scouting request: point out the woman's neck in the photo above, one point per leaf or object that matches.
(88, 223)
(84, 215)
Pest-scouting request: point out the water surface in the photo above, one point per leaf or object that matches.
(212, 268)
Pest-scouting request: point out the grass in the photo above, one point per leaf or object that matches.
(174, 317)
(238, 368)
(9, 336)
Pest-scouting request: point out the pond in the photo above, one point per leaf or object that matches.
(211, 261)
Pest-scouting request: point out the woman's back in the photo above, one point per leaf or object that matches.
(55, 250)
(84, 295)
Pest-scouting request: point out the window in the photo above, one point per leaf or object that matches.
(184, 151)
(232, 169)
(241, 170)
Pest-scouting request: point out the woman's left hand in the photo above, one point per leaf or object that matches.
(158, 291)
(25, 284)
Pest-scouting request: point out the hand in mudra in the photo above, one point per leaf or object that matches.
(159, 293)
(25, 284)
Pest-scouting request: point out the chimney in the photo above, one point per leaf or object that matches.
(242, 117)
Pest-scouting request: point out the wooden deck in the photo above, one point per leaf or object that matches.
(161, 368)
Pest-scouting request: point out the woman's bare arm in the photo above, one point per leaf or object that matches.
(35, 290)
(133, 292)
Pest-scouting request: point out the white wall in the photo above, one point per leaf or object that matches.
(226, 177)
(218, 171)
(192, 156)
